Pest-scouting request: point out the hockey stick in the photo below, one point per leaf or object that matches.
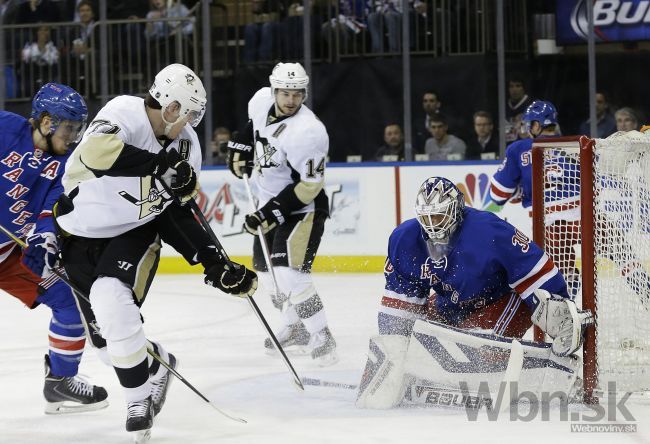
(199, 214)
(208, 229)
(153, 354)
(262, 238)
(512, 374)
(321, 383)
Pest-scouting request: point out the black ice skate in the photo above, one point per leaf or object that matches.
(293, 338)
(160, 386)
(139, 419)
(69, 394)
(323, 347)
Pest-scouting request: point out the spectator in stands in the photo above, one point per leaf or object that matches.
(291, 26)
(70, 10)
(219, 145)
(606, 123)
(42, 52)
(386, 15)
(81, 45)
(443, 146)
(162, 29)
(393, 144)
(626, 119)
(261, 35)
(127, 9)
(37, 11)
(518, 101)
(431, 106)
(347, 19)
(485, 145)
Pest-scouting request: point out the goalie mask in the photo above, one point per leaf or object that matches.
(177, 83)
(439, 209)
(289, 76)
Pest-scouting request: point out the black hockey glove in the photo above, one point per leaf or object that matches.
(240, 158)
(183, 180)
(268, 217)
(236, 279)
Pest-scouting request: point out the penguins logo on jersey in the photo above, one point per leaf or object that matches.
(152, 199)
(266, 152)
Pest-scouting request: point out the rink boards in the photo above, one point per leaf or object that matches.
(367, 201)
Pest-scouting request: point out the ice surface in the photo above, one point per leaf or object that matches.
(218, 341)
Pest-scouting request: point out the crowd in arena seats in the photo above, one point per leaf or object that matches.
(59, 41)
(274, 32)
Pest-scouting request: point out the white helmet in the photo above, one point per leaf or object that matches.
(178, 83)
(439, 208)
(289, 76)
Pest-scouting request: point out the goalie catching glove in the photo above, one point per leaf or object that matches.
(177, 173)
(562, 321)
(229, 277)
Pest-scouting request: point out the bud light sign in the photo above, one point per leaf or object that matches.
(614, 20)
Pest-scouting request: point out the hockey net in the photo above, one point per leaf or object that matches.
(591, 214)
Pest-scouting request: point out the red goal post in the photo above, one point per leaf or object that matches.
(591, 214)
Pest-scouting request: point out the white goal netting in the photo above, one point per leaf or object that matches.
(621, 247)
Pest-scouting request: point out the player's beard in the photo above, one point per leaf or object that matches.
(437, 249)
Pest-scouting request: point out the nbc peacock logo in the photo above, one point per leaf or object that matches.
(477, 192)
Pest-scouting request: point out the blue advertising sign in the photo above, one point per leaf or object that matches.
(614, 20)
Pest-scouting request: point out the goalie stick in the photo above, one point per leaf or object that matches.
(447, 396)
(316, 382)
(153, 354)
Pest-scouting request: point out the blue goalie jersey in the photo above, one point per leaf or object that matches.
(487, 259)
(31, 180)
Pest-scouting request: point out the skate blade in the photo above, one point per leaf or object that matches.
(65, 407)
(327, 360)
(292, 350)
(141, 436)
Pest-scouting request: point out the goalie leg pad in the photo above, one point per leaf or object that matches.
(444, 356)
(382, 385)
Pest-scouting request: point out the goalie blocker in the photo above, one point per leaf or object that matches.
(437, 362)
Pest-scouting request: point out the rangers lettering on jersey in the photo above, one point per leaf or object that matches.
(30, 179)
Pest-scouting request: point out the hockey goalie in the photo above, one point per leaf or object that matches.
(462, 288)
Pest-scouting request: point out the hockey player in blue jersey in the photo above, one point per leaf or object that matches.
(32, 158)
(470, 269)
(514, 176)
(562, 199)
(514, 179)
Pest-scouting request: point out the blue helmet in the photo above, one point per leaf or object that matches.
(62, 103)
(542, 112)
(439, 208)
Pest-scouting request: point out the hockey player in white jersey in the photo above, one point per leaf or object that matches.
(137, 163)
(284, 146)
